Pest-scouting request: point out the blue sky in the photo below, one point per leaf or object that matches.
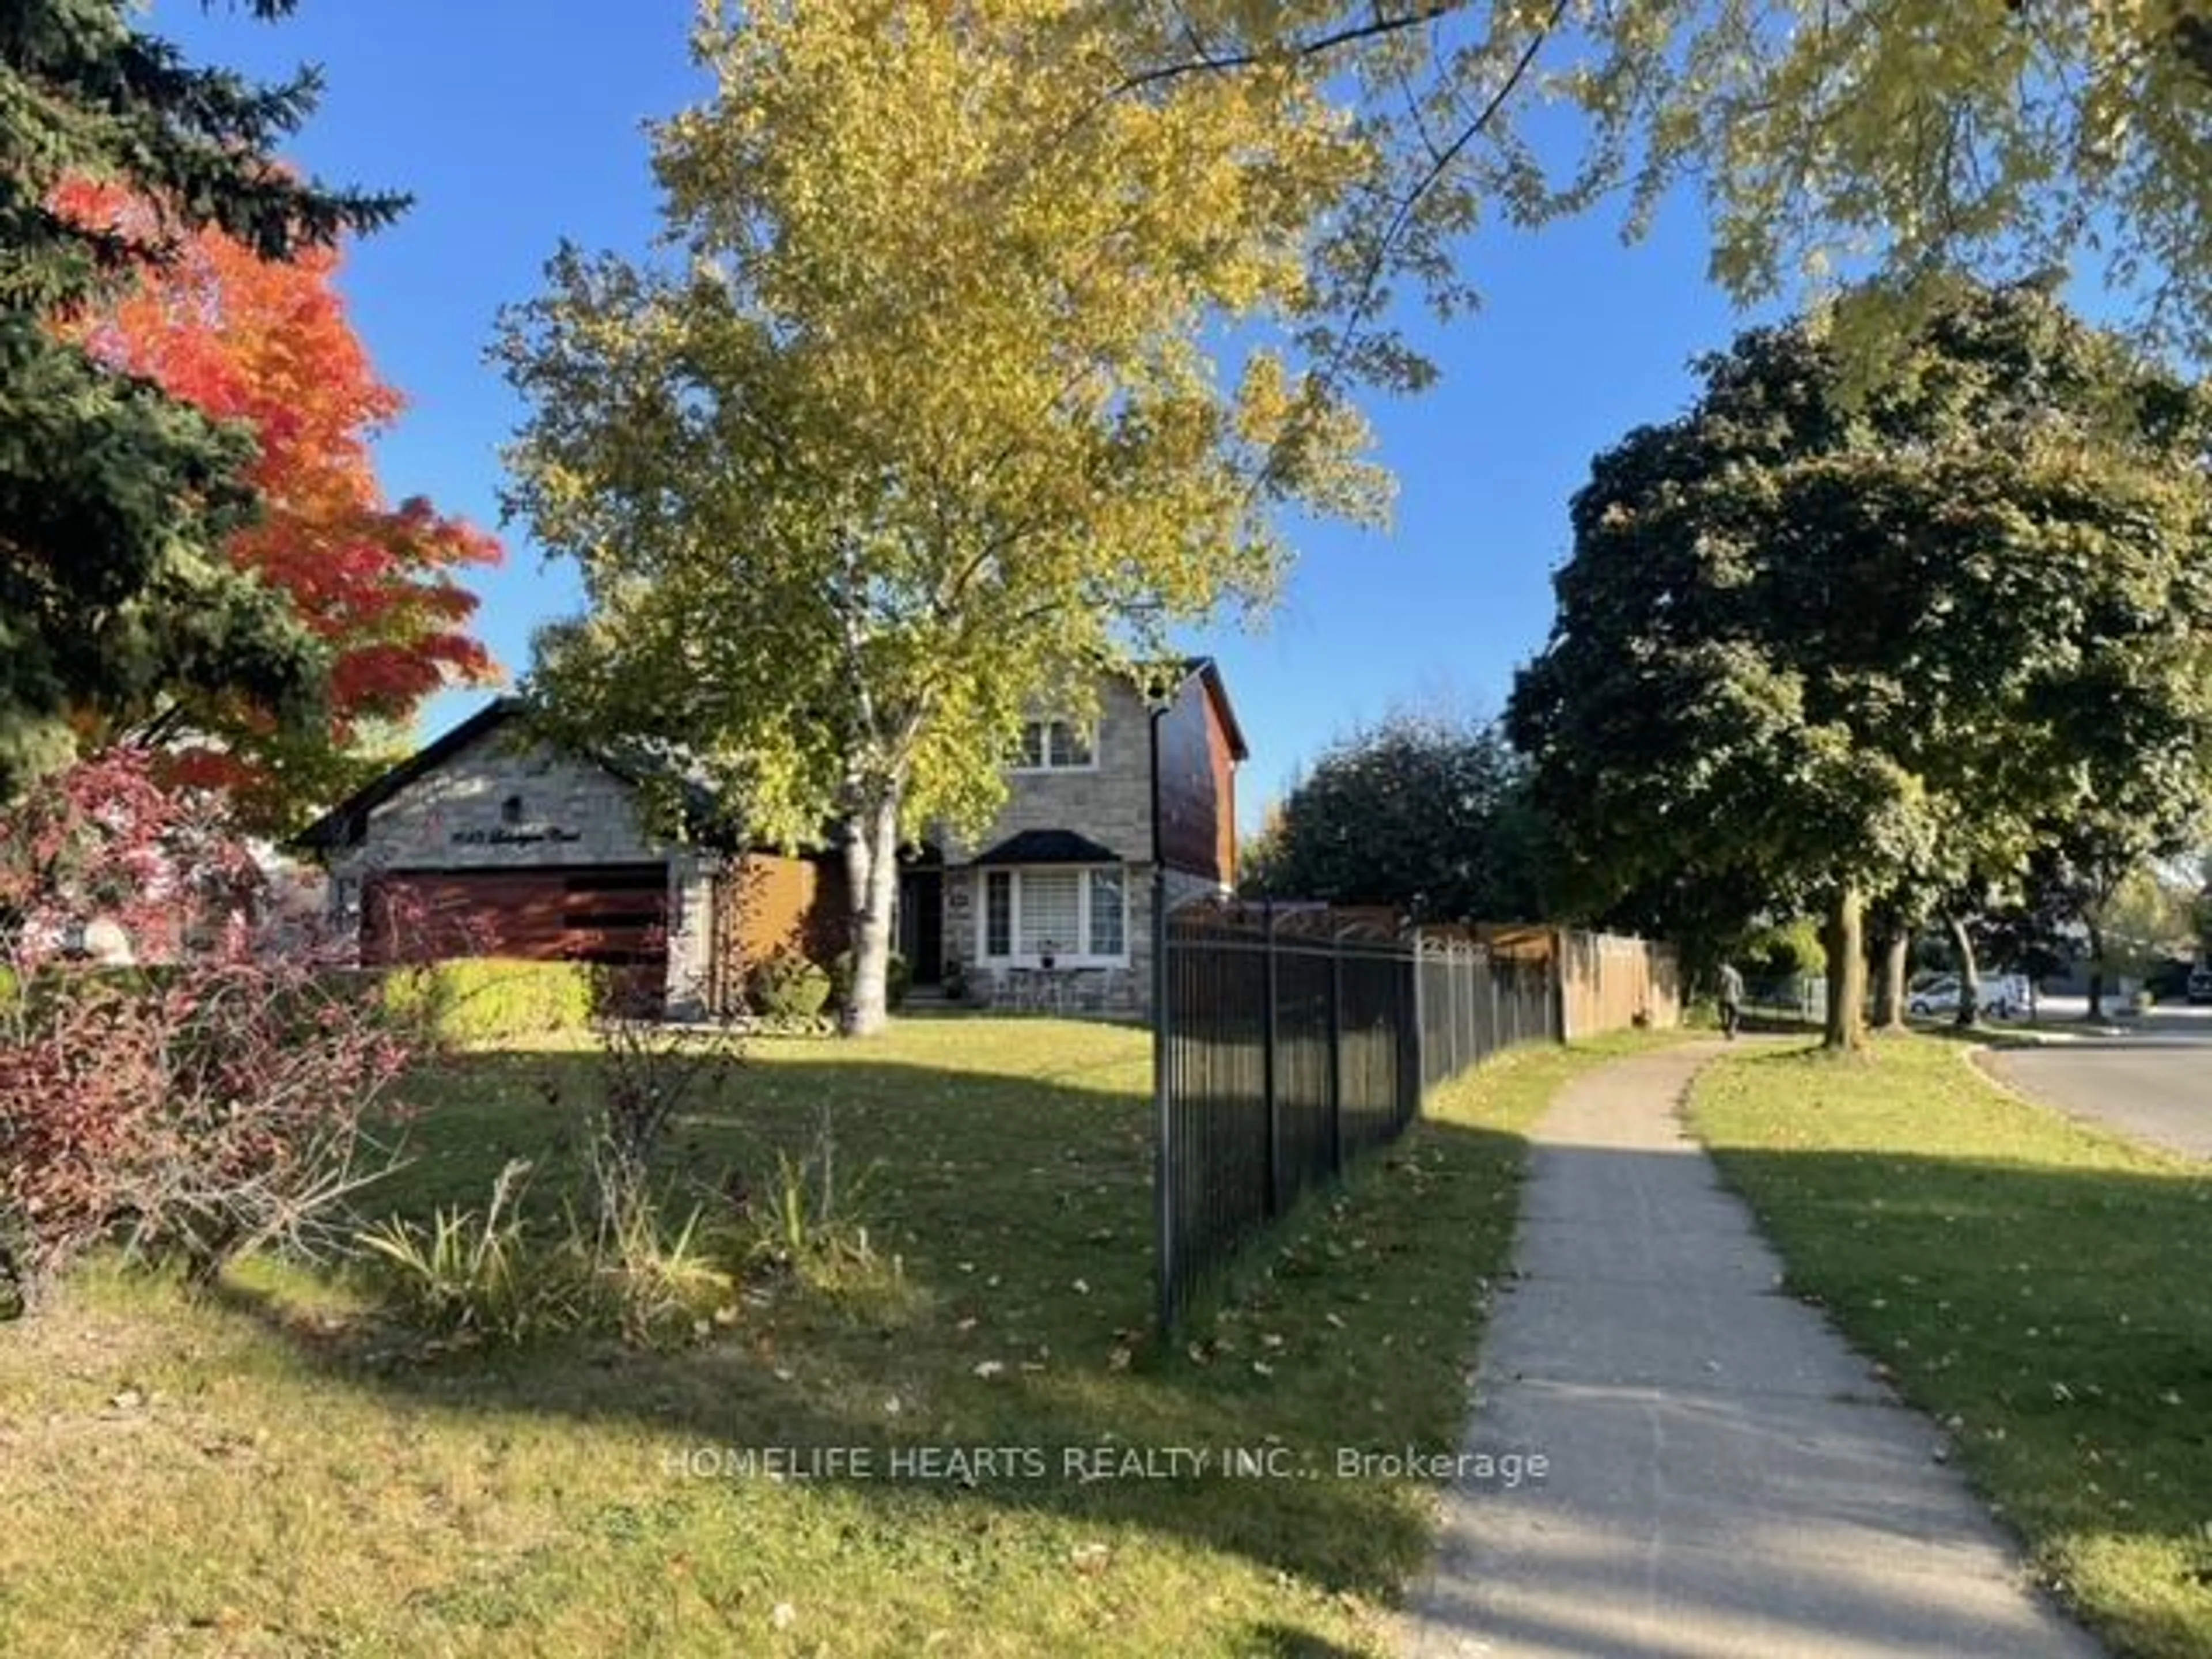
(516, 125)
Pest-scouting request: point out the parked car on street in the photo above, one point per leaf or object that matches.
(2200, 985)
(2003, 996)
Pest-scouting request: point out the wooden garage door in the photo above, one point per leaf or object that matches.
(616, 914)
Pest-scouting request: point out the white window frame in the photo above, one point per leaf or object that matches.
(1046, 763)
(983, 953)
(1065, 954)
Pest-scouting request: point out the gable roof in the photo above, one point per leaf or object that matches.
(1208, 673)
(1049, 847)
(345, 824)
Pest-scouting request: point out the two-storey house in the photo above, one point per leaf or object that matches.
(1063, 877)
(489, 842)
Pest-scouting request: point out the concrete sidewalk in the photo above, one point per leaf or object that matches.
(1724, 1476)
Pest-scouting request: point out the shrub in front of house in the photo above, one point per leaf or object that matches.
(228, 1093)
(189, 1116)
(789, 987)
(492, 1277)
(491, 998)
(897, 981)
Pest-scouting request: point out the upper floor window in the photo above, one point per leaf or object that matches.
(1054, 746)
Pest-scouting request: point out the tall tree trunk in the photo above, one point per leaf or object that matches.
(2096, 971)
(872, 872)
(1843, 936)
(1970, 977)
(1892, 954)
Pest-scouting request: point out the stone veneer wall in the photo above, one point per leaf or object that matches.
(1133, 993)
(1110, 804)
(691, 888)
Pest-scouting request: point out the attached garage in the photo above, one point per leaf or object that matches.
(612, 914)
(491, 841)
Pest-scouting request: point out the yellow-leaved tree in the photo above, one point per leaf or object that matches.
(973, 370)
(1897, 142)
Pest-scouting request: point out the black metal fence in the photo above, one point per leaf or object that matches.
(1474, 1003)
(1288, 1043)
(1798, 998)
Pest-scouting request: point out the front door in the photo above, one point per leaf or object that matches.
(921, 924)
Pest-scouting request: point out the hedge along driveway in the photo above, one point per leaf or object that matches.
(279, 1473)
(2039, 1287)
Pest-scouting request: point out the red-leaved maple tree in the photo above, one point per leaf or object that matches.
(270, 345)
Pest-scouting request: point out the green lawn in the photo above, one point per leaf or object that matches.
(2040, 1289)
(280, 1472)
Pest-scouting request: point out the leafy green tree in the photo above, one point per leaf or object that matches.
(1426, 813)
(114, 497)
(2102, 900)
(1829, 649)
(2147, 919)
(921, 430)
(2002, 136)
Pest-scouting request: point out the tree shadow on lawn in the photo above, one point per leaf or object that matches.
(1020, 1211)
(1755, 1023)
(2058, 1320)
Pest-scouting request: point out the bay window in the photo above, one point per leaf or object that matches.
(1073, 913)
(1051, 912)
(1109, 931)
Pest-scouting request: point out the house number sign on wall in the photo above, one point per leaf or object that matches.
(510, 836)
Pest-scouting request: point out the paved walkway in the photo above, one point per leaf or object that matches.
(1724, 1476)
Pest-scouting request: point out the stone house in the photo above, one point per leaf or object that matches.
(491, 841)
(1055, 898)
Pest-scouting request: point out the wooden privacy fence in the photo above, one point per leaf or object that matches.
(1290, 1041)
(1608, 983)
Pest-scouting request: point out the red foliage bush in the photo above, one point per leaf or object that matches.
(228, 1096)
(103, 841)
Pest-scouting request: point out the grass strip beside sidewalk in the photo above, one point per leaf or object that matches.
(2043, 1290)
(280, 1471)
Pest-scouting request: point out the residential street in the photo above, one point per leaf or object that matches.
(2154, 1084)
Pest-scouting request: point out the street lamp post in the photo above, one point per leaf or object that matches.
(1163, 1203)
